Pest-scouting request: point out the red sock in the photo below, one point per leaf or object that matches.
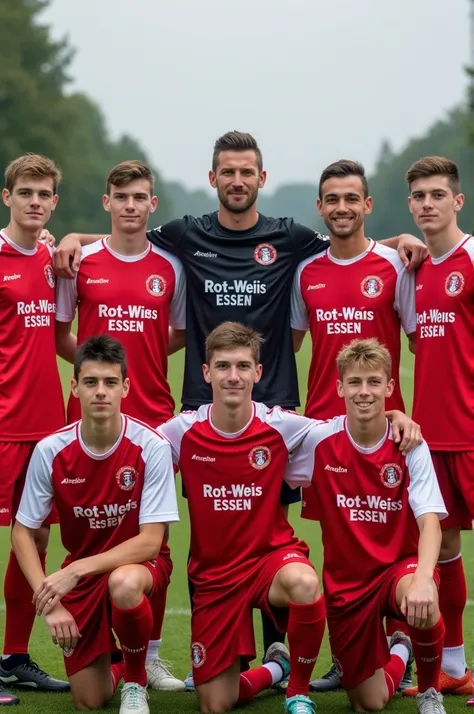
(133, 628)
(394, 672)
(116, 672)
(20, 611)
(428, 649)
(158, 607)
(252, 682)
(305, 633)
(392, 626)
(452, 600)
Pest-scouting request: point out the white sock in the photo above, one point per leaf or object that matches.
(275, 670)
(152, 651)
(454, 661)
(401, 651)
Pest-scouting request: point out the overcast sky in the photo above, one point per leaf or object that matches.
(313, 80)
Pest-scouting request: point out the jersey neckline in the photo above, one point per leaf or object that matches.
(15, 246)
(442, 258)
(113, 449)
(240, 233)
(126, 258)
(351, 261)
(225, 434)
(368, 449)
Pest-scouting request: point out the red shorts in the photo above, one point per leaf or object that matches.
(14, 459)
(356, 633)
(89, 604)
(455, 472)
(222, 623)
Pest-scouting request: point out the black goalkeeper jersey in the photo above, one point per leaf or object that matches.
(243, 276)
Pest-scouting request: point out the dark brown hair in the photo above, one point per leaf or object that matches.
(128, 171)
(101, 349)
(236, 141)
(340, 169)
(435, 166)
(32, 166)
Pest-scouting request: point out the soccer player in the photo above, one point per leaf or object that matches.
(379, 513)
(30, 408)
(356, 287)
(444, 383)
(239, 266)
(112, 481)
(133, 290)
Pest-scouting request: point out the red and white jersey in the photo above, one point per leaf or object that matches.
(233, 484)
(102, 500)
(444, 363)
(133, 299)
(368, 500)
(31, 399)
(371, 295)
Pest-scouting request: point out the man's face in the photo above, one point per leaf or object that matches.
(130, 206)
(343, 206)
(31, 202)
(100, 389)
(237, 180)
(232, 374)
(433, 204)
(364, 392)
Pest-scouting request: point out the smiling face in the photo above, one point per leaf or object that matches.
(237, 179)
(343, 205)
(232, 374)
(364, 392)
(31, 202)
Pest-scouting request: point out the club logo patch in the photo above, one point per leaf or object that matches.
(454, 284)
(126, 478)
(198, 654)
(265, 254)
(260, 457)
(49, 275)
(156, 285)
(67, 651)
(391, 475)
(372, 286)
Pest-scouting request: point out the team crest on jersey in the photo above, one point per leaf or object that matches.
(260, 457)
(49, 275)
(156, 285)
(454, 284)
(126, 477)
(372, 286)
(198, 654)
(391, 475)
(265, 254)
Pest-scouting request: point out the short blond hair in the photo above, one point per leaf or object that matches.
(366, 354)
(128, 171)
(230, 336)
(435, 166)
(32, 166)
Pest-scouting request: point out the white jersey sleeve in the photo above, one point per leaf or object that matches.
(298, 310)
(405, 300)
(66, 299)
(175, 428)
(424, 495)
(158, 501)
(178, 303)
(37, 498)
(300, 467)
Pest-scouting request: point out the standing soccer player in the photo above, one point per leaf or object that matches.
(131, 289)
(356, 287)
(30, 408)
(379, 513)
(111, 478)
(444, 383)
(239, 266)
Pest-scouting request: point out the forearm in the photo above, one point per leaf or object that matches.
(87, 238)
(24, 547)
(135, 550)
(66, 347)
(177, 340)
(391, 242)
(429, 544)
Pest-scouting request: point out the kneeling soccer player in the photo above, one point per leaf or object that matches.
(111, 478)
(232, 455)
(380, 513)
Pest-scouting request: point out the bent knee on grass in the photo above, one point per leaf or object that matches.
(371, 695)
(295, 582)
(221, 693)
(128, 584)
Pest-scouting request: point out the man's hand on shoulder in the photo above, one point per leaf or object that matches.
(412, 251)
(405, 431)
(67, 256)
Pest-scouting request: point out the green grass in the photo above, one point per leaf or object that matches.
(176, 628)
